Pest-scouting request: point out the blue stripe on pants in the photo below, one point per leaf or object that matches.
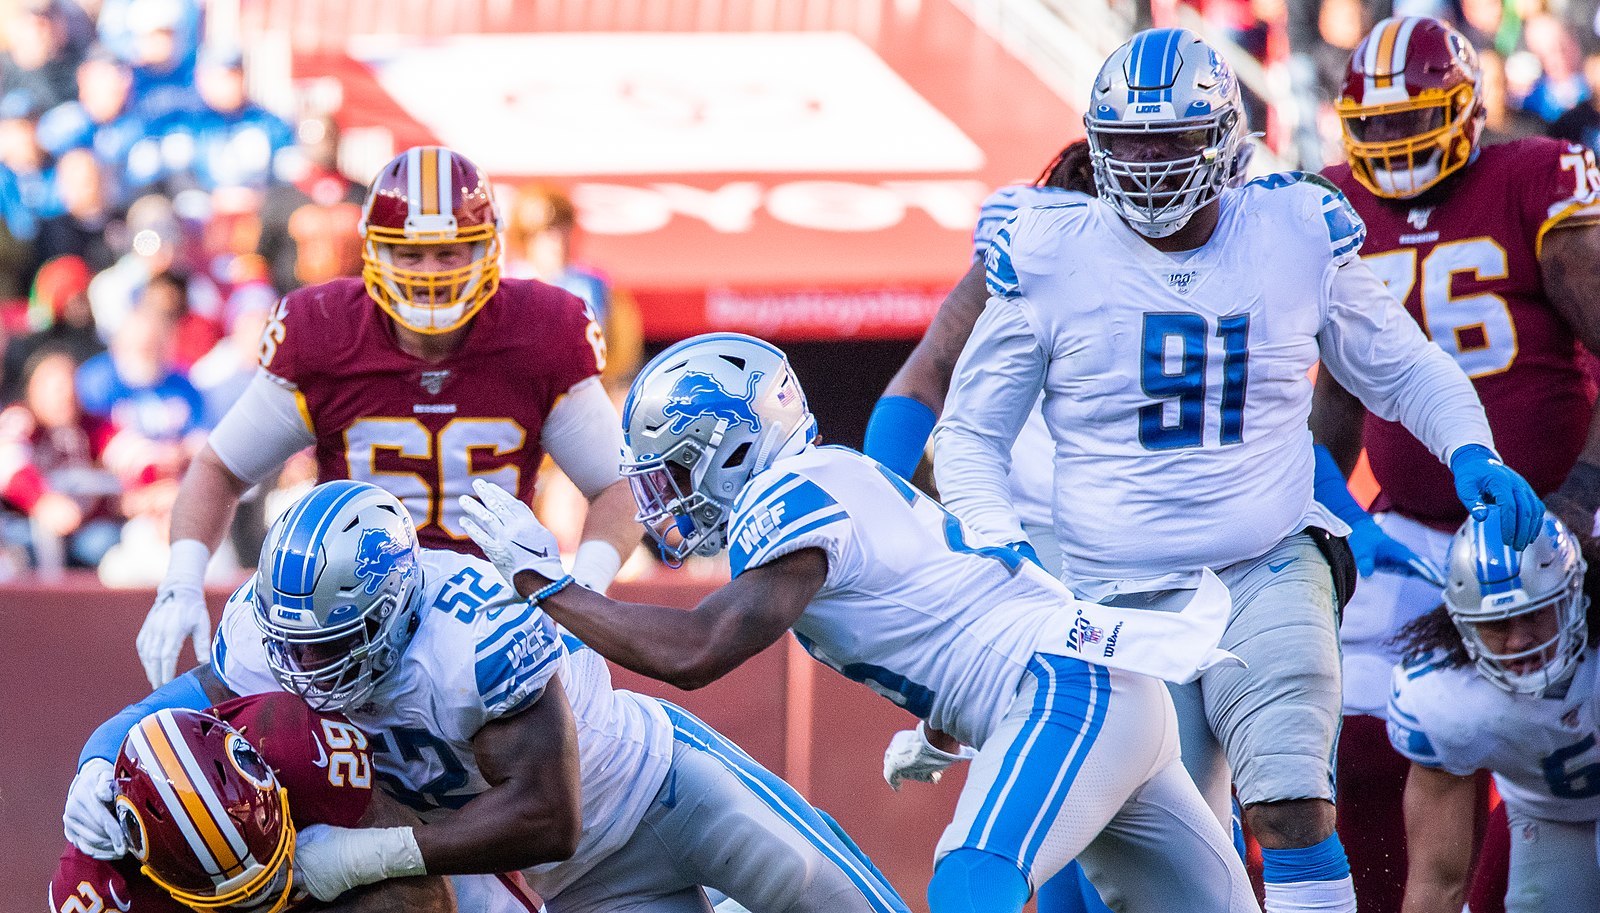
(1042, 763)
(786, 803)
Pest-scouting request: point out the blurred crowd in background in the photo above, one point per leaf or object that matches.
(152, 213)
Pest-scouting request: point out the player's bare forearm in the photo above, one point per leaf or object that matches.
(531, 811)
(206, 499)
(925, 377)
(691, 649)
(611, 521)
(1569, 260)
(1439, 808)
(1336, 418)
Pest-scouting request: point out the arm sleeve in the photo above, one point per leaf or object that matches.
(1376, 351)
(584, 436)
(996, 382)
(262, 430)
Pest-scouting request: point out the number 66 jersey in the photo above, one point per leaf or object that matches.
(1464, 260)
(425, 430)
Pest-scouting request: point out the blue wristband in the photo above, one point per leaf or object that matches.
(898, 432)
(183, 691)
(1331, 491)
(550, 590)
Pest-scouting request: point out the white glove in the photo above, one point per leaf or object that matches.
(911, 757)
(329, 861)
(89, 823)
(179, 612)
(510, 535)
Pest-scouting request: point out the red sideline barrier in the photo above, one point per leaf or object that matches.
(67, 663)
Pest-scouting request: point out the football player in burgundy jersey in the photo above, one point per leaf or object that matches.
(274, 765)
(1493, 250)
(428, 372)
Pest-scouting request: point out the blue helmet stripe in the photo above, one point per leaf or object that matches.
(295, 567)
(1499, 568)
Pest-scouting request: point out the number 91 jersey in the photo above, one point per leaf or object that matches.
(1464, 261)
(425, 430)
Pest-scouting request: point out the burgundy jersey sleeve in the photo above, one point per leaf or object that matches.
(320, 758)
(1560, 183)
(277, 353)
(83, 884)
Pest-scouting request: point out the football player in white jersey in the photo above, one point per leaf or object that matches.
(1170, 325)
(1501, 678)
(879, 582)
(464, 692)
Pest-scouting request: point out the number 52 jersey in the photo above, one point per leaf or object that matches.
(1465, 263)
(425, 430)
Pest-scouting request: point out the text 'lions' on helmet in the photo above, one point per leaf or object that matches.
(1166, 129)
(1410, 108)
(336, 592)
(1520, 614)
(204, 814)
(429, 197)
(701, 419)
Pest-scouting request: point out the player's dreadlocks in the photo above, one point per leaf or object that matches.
(1071, 169)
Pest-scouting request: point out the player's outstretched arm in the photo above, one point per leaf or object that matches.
(1439, 809)
(1569, 258)
(686, 649)
(695, 648)
(905, 415)
(422, 894)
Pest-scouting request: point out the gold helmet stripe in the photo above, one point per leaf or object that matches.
(203, 812)
(1385, 57)
(430, 180)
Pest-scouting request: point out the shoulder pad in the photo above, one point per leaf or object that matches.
(1346, 231)
(771, 521)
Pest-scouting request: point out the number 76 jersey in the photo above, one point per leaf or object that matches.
(422, 430)
(1465, 262)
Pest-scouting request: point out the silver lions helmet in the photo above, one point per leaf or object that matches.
(1520, 614)
(701, 419)
(336, 592)
(1166, 129)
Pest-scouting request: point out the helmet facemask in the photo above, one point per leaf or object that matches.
(337, 668)
(1158, 175)
(681, 518)
(427, 301)
(1401, 149)
(1559, 616)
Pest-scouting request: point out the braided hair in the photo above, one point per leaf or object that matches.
(1071, 169)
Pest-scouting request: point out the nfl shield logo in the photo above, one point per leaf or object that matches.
(1418, 217)
(433, 381)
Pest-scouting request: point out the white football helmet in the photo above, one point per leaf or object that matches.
(1489, 582)
(336, 592)
(715, 409)
(1166, 129)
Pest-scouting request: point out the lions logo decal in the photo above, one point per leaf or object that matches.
(377, 554)
(698, 394)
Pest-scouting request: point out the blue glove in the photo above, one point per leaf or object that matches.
(1025, 548)
(1482, 482)
(1372, 547)
(1376, 550)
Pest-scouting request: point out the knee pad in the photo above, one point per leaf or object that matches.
(973, 881)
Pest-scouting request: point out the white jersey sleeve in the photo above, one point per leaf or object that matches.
(1425, 724)
(517, 646)
(999, 206)
(780, 513)
(238, 654)
(1379, 353)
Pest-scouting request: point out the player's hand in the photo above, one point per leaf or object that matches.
(511, 537)
(179, 612)
(1483, 483)
(329, 861)
(911, 757)
(1376, 550)
(88, 821)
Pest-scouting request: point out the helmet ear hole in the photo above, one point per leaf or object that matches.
(738, 456)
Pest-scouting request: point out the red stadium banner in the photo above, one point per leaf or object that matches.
(814, 177)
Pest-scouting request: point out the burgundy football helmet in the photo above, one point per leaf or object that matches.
(1410, 106)
(430, 195)
(204, 814)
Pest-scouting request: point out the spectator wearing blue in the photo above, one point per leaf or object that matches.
(134, 386)
(160, 39)
(23, 157)
(235, 142)
(1561, 84)
(103, 119)
(39, 57)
